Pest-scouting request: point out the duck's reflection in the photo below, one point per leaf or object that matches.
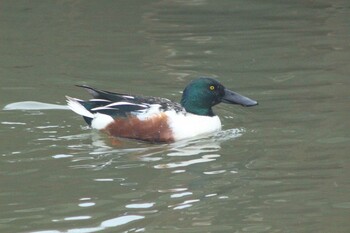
(154, 178)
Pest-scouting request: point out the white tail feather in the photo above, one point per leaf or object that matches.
(78, 108)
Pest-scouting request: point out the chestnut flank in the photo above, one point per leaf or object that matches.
(154, 129)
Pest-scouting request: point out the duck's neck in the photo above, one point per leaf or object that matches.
(194, 108)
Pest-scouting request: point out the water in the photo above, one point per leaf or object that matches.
(280, 167)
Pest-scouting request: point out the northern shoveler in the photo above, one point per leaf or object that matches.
(157, 119)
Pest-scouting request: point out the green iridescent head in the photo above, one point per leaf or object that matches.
(203, 93)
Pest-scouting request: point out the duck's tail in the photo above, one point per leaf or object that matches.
(95, 120)
(76, 106)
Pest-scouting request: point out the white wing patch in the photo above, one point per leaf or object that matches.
(102, 108)
(125, 103)
(110, 106)
(99, 100)
(128, 97)
(153, 109)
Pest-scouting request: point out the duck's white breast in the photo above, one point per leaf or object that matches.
(190, 125)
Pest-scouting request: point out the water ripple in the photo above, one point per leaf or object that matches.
(203, 159)
(109, 223)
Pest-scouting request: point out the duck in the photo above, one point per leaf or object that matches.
(156, 119)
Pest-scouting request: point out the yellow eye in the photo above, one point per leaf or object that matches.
(212, 88)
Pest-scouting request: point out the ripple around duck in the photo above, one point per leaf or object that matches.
(184, 163)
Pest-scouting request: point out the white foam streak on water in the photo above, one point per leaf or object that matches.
(12, 123)
(34, 105)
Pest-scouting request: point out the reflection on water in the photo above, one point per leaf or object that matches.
(114, 222)
(100, 155)
(203, 159)
(104, 146)
(90, 153)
